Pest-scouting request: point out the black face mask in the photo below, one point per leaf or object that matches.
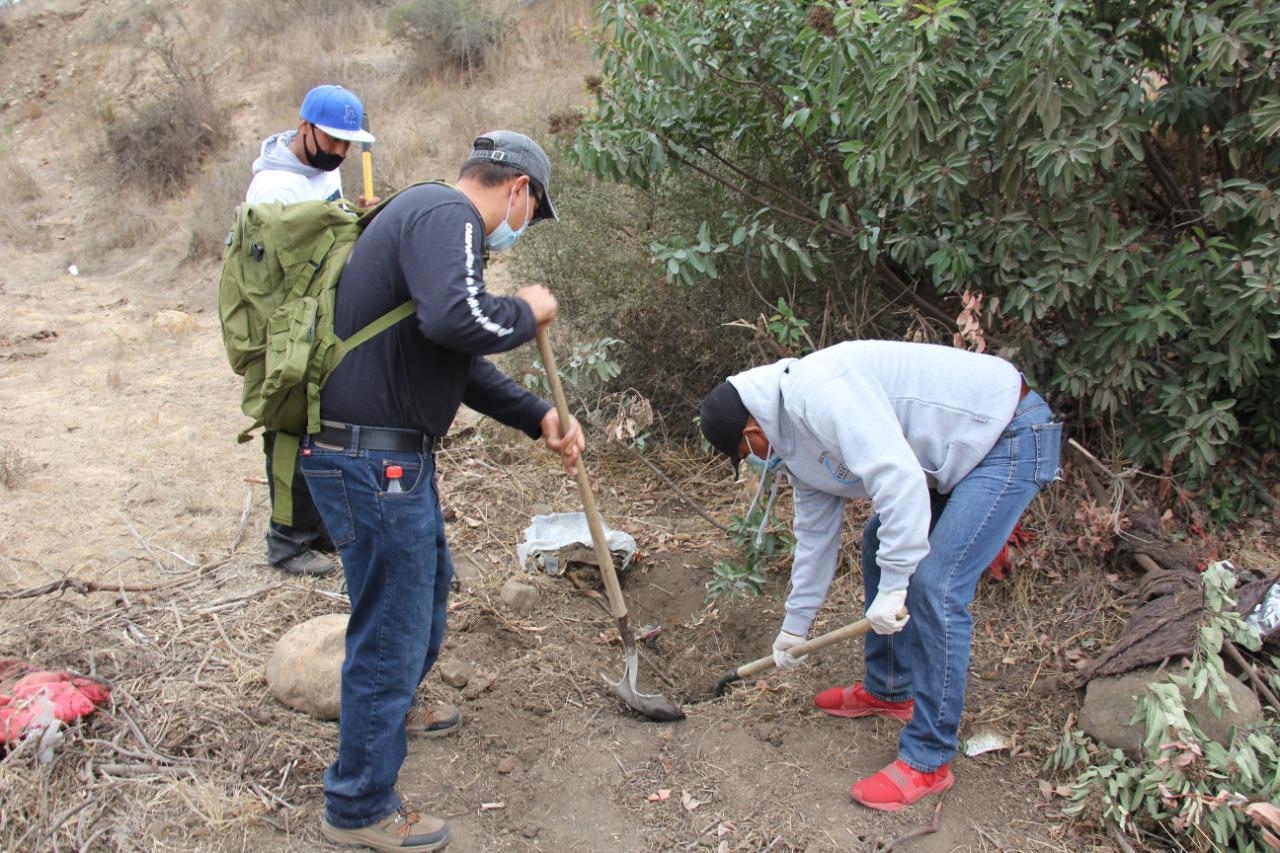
(324, 160)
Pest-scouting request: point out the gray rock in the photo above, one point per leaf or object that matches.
(519, 597)
(456, 673)
(506, 765)
(305, 670)
(1109, 704)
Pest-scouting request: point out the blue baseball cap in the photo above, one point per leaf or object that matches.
(337, 112)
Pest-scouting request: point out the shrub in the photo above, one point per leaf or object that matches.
(160, 142)
(160, 138)
(1104, 174)
(458, 36)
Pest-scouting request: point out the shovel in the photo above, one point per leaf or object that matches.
(764, 664)
(652, 705)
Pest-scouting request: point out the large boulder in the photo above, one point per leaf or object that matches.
(1110, 702)
(305, 671)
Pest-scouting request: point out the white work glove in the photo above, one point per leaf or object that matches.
(883, 612)
(782, 658)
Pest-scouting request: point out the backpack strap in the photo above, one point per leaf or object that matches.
(284, 462)
(340, 350)
(380, 325)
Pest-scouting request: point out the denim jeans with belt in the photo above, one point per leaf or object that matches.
(398, 570)
(928, 660)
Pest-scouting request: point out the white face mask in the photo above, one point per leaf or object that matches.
(504, 236)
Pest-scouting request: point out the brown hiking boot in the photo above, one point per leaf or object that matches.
(436, 719)
(402, 830)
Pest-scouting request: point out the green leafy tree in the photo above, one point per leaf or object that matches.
(1103, 173)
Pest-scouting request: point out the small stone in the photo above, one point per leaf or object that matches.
(529, 831)
(519, 597)
(506, 765)
(456, 673)
(477, 687)
(176, 323)
(305, 670)
(1047, 685)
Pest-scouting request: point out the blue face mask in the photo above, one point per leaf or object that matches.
(763, 465)
(504, 236)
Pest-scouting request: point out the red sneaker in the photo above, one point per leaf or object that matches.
(899, 785)
(856, 702)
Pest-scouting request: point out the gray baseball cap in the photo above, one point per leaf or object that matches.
(518, 150)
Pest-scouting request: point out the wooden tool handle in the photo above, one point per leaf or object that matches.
(617, 606)
(856, 629)
(366, 161)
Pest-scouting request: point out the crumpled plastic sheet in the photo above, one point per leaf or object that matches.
(549, 538)
(1266, 616)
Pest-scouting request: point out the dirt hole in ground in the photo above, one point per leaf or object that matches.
(698, 643)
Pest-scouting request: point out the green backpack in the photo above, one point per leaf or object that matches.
(280, 274)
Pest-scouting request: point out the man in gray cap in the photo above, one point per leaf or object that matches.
(371, 468)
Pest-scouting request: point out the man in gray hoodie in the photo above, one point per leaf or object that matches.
(950, 446)
(294, 166)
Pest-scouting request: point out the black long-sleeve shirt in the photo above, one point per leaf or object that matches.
(426, 245)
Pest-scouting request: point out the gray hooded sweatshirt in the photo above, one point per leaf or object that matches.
(280, 176)
(879, 419)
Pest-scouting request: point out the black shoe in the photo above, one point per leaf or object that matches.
(307, 562)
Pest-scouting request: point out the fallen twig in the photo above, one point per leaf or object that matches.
(694, 505)
(916, 833)
(1259, 685)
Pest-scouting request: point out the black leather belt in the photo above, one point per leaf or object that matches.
(353, 437)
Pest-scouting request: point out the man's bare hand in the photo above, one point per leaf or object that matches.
(541, 301)
(569, 445)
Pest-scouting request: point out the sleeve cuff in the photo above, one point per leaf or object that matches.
(797, 623)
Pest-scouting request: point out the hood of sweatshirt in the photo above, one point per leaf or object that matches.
(276, 155)
(761, 391)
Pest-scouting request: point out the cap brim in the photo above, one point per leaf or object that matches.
(547, 210)
(348, 135)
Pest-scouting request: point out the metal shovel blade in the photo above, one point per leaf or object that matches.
(653, 705)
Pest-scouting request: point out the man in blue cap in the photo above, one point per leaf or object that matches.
(302, 165)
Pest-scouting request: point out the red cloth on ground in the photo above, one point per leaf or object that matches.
(72, 698)
(1019, 537)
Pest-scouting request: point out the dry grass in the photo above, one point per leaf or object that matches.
(15, 466)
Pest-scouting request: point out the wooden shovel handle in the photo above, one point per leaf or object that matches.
(855, 629)
(617, 606)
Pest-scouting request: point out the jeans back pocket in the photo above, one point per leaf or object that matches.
(1048, 452)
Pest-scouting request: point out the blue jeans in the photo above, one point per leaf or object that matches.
(928, 660)
(398, 570)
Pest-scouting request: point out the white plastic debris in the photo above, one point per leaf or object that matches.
(44, 729)
(73, 270)
(988, 741)
(548, 536)
(1266, 616)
